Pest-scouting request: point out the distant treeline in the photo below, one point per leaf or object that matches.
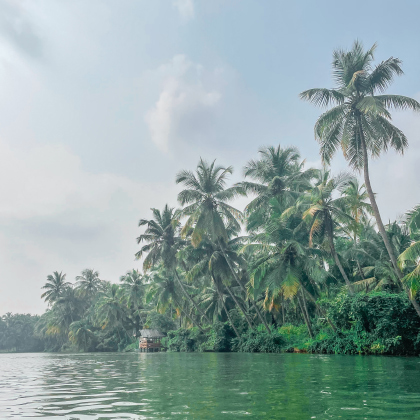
(17, 333)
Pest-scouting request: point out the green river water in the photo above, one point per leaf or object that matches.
(207, 386)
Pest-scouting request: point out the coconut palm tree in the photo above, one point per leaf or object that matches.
(409, 260)
(55, 286)
(162, 291)
(359, 121)
(81, 335)
(211, 263)
(162, 244)
(110, 310)
(323, 211)
(277, 173)
(89, 283)
(208, 212)
(284, 266)
(354, 202)
(133, 291)
(133, 288)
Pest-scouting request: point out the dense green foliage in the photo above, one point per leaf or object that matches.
(308, 264)
(17, 333)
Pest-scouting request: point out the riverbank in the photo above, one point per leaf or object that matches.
(375, 323)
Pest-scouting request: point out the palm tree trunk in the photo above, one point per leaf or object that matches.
(239, 306)
(187, 316)
(307, 321)
(312, 298)
(190, 298)
(378, 218)
(243, 288)
(227, 312)
(337, 261)
(305, 306)
(282, 309)
(360, 270)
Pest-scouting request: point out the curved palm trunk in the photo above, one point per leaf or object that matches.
(227, 312)
(379, 222)
(305, 316)
(337, 261)
(312, 298)
(187, 316)
(244, 289)
(190, 298)
(239, 306)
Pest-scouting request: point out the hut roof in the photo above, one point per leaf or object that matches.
(151, 333)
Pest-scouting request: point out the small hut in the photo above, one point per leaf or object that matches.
(150, 340)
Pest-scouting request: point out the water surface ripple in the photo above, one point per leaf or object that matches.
(207, 385)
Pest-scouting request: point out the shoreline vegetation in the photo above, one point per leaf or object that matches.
(308, 265)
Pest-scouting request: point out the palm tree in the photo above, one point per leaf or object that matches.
(69, 305)
(277, 173)
(133, 291)
(109, 310)
(89, 283)
(410, 259)
(208, 212)
(283, 266)
(133, 288)
(323, 211)
(163, 292)
(81, 335)
(211, 263)
(354, 202)
(162, 245)
(55, 286)
(359, 122)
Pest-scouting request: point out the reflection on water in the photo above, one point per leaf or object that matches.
(208, 385)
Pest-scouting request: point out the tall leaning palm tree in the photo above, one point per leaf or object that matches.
(208, 212)
(162, 243)
(55, 286)
(360, 120)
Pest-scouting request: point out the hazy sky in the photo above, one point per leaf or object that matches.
(102, 102)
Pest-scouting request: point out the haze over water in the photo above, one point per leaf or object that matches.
(207, 385)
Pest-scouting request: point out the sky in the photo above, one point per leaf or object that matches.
(103, 102)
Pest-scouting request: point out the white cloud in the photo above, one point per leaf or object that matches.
(183, 98)
(185, 8)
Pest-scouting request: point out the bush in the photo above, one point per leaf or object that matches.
(259, 342)
(375, 323)
(220, 337)
(294, 336)
(186, 340)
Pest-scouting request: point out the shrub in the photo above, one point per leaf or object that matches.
(375, 323)
(220, 337)
(259, 342)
